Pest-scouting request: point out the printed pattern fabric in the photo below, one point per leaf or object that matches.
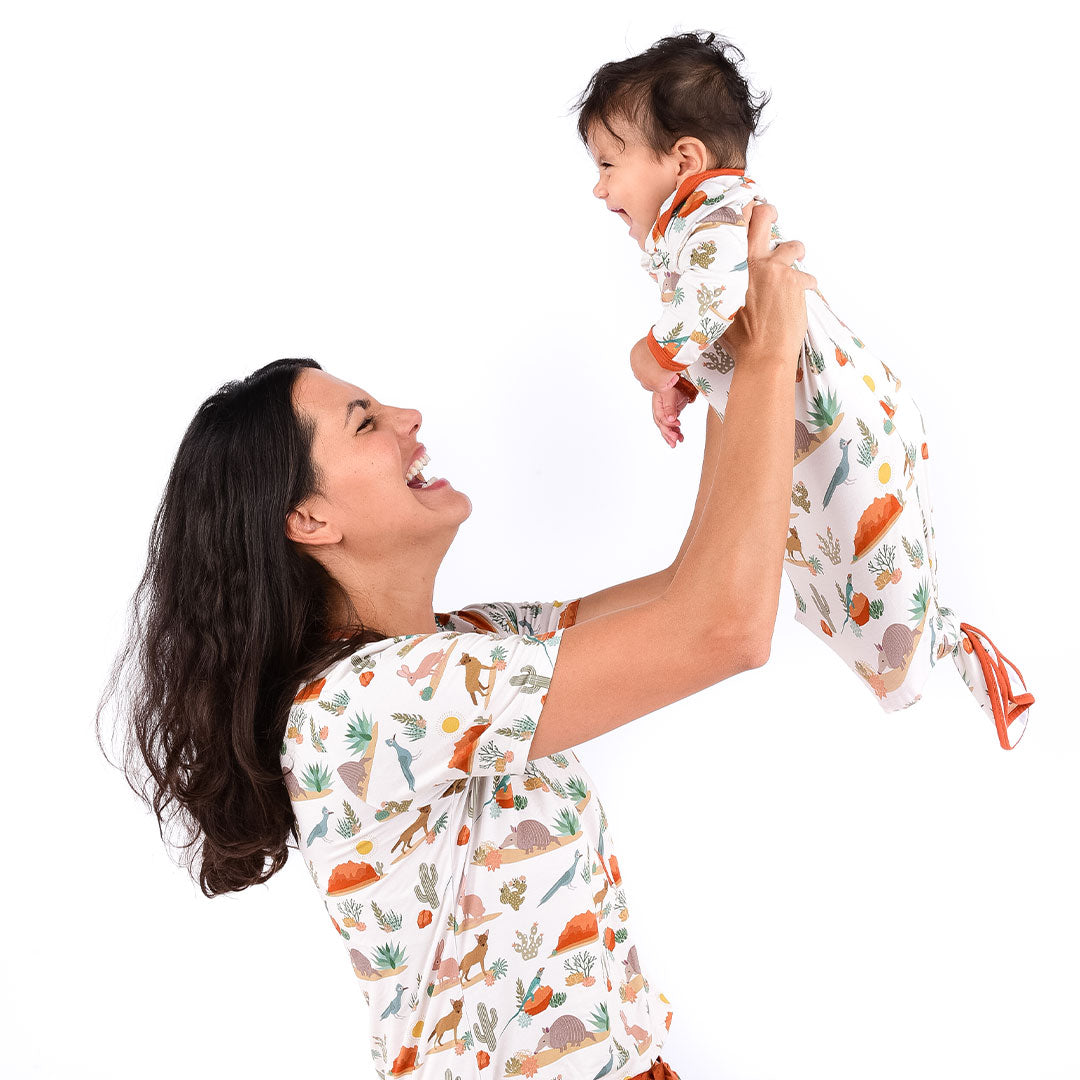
(477, 893)
(860, 550)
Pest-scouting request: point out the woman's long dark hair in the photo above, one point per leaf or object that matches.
(228, 621)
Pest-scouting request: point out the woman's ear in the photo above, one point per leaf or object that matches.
(302, 526)
(692, 155)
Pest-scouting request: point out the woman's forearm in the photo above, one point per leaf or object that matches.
(729, 570)
(725, 580)
(714, 428)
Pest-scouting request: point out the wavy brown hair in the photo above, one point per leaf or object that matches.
(686, 84)
(229, 619)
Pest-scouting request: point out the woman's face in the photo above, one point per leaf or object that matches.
(362, 450)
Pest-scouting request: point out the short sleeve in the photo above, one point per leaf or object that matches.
(423, 712)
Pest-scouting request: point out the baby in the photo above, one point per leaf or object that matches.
(669, 131)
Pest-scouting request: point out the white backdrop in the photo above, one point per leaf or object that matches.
(192, 190)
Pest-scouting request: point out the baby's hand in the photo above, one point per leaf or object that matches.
(648, 372)
(666, 406)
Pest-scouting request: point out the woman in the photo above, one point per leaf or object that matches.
(294, 679)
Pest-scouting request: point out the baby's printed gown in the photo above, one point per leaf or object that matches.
(477, 892)
(860, 549)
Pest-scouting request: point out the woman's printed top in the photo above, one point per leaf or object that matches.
(477, 893)
(860, 550)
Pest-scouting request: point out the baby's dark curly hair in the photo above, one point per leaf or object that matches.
(688, 84)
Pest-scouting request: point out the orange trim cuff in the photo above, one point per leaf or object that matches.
(687, 387)
(661, 355)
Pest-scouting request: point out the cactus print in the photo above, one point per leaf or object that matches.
(860, 554)
(477, 893)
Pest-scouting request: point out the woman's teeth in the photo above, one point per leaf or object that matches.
(414, 478)
(415, 467)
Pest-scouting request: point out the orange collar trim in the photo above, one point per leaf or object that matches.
(683, 193)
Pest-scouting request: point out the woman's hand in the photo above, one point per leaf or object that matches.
(771, 324)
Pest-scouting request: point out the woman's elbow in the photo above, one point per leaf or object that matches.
(757, 637)
(751, 647)
(758, 652)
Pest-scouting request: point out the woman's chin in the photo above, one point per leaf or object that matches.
(459, 497)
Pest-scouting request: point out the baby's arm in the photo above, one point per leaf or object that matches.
(647, 371)
(671, 391)
(707, 289)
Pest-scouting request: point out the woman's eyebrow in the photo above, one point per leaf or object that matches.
(362, 403)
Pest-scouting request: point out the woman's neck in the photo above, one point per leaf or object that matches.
(399, 603)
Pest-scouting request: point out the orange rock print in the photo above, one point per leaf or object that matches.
(876, 520)
(465, 746)
(310, 692)
(405, 1062)
(350, 876)
(581, 930)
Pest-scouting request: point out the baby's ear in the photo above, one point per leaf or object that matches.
(693, 155)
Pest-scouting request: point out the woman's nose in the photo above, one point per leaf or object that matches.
(409, 420)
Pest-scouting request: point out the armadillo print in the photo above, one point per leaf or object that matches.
(477, 894)
(860, 554)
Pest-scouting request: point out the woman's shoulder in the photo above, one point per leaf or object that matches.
(407, 717)
(497, 618)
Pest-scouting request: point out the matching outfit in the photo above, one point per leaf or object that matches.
(477, 894)
(860, 548)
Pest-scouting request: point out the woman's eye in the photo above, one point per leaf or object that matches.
(369, 420)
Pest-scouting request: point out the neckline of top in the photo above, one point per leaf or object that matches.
(682, 193)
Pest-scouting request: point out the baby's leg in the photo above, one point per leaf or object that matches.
(860, 552)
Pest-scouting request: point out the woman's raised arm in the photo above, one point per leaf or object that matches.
(715, 618)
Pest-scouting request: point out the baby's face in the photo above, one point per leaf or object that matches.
(633, 182)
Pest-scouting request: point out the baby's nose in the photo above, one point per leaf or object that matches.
(599, 190)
